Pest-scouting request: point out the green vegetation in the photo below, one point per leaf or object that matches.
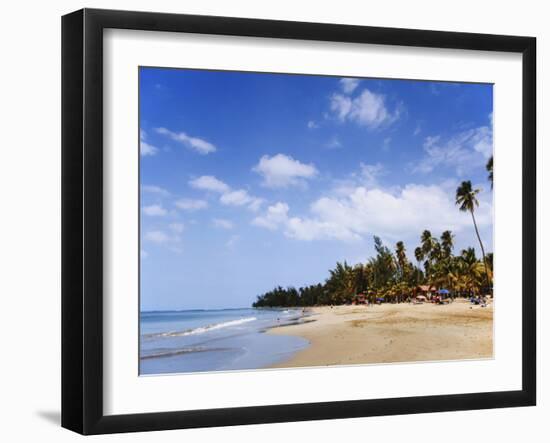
(390, 276)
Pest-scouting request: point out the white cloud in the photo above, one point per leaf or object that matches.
(349, 85)
(154, 210)
(464, 151)
(281, 171)
(222, 223)
(394, 214)
(275, 215)
(209, 183)
(367, 176)
(229, 197)
(308, 229)
(312, 124)
(157, 237)
(241, 197)
(144, 254)
(145, 149)
(341, 105)
(367, 109)
(155, 190)
(177, 227)
(235, 198)
(188, 204)
(197, 144)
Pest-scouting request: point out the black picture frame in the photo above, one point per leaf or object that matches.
(82, 218)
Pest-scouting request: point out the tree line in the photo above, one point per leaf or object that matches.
(391, 276)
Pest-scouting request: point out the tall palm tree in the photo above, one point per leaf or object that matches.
(467, 202)
(401, 257)
(426, 240)
(489, 167)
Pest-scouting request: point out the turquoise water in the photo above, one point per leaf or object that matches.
(215, 340)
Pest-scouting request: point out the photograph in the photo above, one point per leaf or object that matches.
(295, 220)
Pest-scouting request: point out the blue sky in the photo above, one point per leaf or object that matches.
(251, 180)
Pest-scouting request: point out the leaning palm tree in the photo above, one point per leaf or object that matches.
(489, 167)
(467, 202)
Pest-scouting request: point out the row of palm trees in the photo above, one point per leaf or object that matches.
(391, 277)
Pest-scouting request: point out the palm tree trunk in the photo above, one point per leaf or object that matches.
(482, 251)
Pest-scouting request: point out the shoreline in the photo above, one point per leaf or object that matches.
(390, 333)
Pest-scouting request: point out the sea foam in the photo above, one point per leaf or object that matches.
(203, 329)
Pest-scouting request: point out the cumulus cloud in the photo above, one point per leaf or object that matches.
(312, 124)
(154, 210)
(391, 214)
(209, 183)
(274, 216)
(228, 197)
(222, 223)
(349, 85)
(240, 197)
(146, 149)
(307, 229)
(188, 204)
(367, 109)
(281, 171)
(463, 152)
(197, 144)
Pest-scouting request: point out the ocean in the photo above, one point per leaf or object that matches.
(215, 340)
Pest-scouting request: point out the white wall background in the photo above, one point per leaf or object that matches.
(30, 218)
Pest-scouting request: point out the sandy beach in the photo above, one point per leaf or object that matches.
(388, 333)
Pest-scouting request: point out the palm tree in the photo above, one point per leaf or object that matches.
(489, 167)
(419, 255)
(426, 245)
(341, 283)
(401, 256)
(447, 243)
(467, 202)
(427, 242)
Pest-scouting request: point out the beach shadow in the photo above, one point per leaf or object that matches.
(53, 417)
